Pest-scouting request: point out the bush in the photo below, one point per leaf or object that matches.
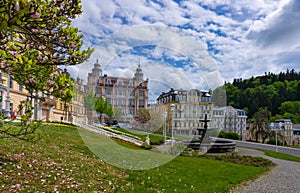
(273, 142)
(229, 135)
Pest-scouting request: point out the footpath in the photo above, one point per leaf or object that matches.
(284, 178)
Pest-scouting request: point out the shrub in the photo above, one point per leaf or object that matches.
(229, 135)
(273, 142)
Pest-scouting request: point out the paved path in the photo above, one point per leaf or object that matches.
(284, 178)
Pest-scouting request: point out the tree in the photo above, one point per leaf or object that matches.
(101, 106)
(117, 113)
(142, 116)
(63, 88)
(40, 32)
(109, 112)
(89, 101)
(260, 126)
(35, 37)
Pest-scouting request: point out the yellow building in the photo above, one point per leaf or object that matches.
(190, 106)
(48, 108)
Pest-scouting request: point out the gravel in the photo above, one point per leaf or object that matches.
(284, 178)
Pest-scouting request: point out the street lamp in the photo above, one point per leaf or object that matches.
(280, 125)
(172, 108)
(164, 131)
(272, 127)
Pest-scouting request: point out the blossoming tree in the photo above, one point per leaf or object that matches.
(35, 38)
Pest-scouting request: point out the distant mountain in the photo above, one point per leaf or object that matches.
(269, 90)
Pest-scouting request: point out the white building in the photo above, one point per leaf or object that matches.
(230, 119)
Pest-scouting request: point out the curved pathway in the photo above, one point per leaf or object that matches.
(284, 178)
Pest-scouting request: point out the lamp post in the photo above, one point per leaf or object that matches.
(172, 108)
(272, 127)
(164, 131)
(280, 125)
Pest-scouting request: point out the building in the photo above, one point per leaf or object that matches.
(48, 108)
(190, 107)
(78, 111)
(11, 94)
(284, 130)
(296, 134)
(126, 94)
(230, 119)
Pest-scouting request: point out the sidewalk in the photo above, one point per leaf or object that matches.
(284, 178)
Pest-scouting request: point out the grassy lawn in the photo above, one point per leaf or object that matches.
(62, 162)
(280, 155)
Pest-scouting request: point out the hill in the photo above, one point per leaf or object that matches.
(277, 92)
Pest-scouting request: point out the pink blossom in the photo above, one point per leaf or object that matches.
(35, 15)
(39, 58)
(31, 80)
(72, 46)
(13, 53)
(21, 155)
(17, 6)
(42, 47)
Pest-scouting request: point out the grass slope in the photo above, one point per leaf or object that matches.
(60, 161)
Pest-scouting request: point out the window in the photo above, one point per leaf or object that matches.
(21, 88)
(141, 103)
(11, 83)
(107, 92)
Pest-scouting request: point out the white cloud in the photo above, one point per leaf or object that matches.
(244, 38)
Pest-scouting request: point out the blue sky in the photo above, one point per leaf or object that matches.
(191, 44)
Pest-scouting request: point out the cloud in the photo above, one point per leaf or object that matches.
(281, 30)
(223, 38)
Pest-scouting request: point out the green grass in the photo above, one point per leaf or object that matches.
(62, 162)
(280, 155)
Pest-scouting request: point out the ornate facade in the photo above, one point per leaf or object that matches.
(230, 119)
(125, 94)
(190, 106)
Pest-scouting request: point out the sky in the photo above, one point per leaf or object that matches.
(190, 44)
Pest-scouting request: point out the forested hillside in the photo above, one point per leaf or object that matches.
(280, 93)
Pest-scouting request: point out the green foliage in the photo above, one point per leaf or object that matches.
(89, 101)
(35, 38)
(291, 110)
(40, 32)
(117, 113)
(229, 135)
(25, 130)
(273, 142)
(268, 91)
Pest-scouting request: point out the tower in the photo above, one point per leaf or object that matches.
(138, 75)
